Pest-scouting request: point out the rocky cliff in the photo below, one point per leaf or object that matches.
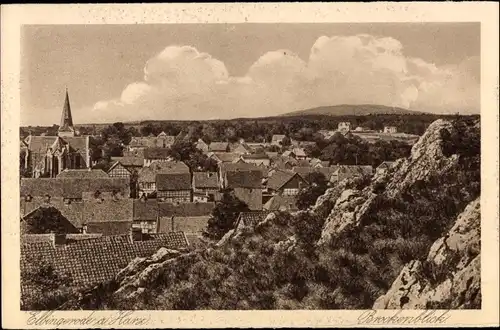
(450, 277)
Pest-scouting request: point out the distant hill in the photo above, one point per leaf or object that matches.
(350, 109)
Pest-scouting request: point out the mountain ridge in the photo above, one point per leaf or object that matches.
(352, 109)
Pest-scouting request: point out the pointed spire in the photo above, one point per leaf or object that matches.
(66, 118)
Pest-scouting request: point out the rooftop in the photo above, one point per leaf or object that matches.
(83, 173)
(205, 180)
(95, 260)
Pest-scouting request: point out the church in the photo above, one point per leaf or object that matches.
(47, 156)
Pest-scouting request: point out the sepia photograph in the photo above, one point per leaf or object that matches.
(251, 166)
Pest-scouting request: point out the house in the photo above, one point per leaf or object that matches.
(304, 171)
(223, 157)
(390, 129)
(146, 180)
(242, 178)
(277, 139)
(384, 167)
(108, 217)
(351, 171)
(252, 197)
(315, 162)
(344, 127)
(242, 149)
(250, 219)
(117, 170)
(87, 173)
(299, 153)
(131, 163)
(95, 260)
(72, 212)
(69, 190)
(30, 225)
(205, 185)
(188, 217)
(174, 187)
(156, 154)
(145, 215)
(247, 186)
(219, 147)
(164, 141)
(284, 182)
(257, 159)
(229, 167)
(281, 203)
(144, 142)
(202, 145)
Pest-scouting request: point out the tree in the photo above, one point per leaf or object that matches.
(224, 215)
(186, 151)
(286, 142)
(48, 288)
(317, 187)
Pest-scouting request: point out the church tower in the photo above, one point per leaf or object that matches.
(66, 128)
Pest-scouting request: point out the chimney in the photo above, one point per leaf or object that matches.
(59, 239)
(135, 234)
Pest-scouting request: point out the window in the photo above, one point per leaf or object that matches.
(290, 191)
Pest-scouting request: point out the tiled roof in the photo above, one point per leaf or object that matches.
(299, 152)
(109, 228)
(29, 225)
(156, 153)
(145, 209)
(226, 157)
(108, 210)
(228, 167)
(278, 137)
(142, 142)
(279, 178)
(72, 187)
(279, 202)
(185, 209)
(129, 161)
(83, 174)
(41, 143)
(91, 261)
(250, 196)
(173, 181)
(148, 174)
(72, 211)
(304, 170)
(219, 146)
(256, 156)
(243, 179)
(303, 162)
(251, 218)
(205, 180)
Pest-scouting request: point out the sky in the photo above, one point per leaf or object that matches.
(209, 71)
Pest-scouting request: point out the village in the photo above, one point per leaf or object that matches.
(146, 199)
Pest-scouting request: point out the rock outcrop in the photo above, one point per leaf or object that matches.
(450, 277)
(427, 159)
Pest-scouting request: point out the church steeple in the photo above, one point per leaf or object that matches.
(66, 128)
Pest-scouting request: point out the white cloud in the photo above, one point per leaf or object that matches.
(182, 83)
